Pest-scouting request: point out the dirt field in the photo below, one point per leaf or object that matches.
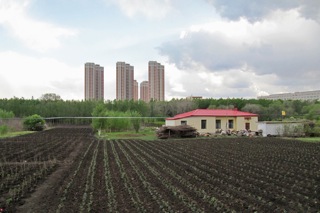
(68, 170)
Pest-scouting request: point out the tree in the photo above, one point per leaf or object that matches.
(34, 123)
(50, 97)
(4, 115)
(136, 120)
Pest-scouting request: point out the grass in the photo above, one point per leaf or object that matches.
(13, 134)
(312, 140)
(147, 134)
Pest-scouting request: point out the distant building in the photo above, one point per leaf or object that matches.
(303, 96)
(124, 81)
(135, 90)
(193, 97)
(156, 81)
(93, 82)
(144, 91)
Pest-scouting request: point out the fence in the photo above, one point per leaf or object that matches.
(16, 124)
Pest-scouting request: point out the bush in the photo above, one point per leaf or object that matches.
(3, 129)
(34, 123)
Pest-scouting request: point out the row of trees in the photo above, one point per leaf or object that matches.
(51, 105)
(267, 109)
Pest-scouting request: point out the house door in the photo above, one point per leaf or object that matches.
(247, 126)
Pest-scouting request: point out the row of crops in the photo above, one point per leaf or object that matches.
(190, 175)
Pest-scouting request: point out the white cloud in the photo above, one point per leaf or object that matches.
(148, 8)
(255, 10)
(281, 46)
(30, 76)
(35, 34)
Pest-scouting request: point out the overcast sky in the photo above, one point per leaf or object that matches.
(210, 48)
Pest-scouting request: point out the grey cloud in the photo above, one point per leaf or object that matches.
(287, 57)
(255, 9)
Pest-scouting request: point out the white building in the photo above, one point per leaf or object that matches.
(304, 96)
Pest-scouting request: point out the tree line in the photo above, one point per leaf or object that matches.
(266, 109)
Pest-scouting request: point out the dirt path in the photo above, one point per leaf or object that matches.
(38, 201)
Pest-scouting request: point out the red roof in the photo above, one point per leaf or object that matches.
(213, 113)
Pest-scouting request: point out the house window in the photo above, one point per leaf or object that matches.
(203, 124)
(230, 124)
(218, 124)
(183, 122)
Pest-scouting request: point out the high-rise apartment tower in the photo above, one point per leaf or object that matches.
(156, 81)
(124, 81)
(144, 91)
(93, 82)
(135, 90)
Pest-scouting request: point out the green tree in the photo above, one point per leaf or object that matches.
(4, 115)
(34, 123)
(312, 111)
(136, 120)
(50, 97)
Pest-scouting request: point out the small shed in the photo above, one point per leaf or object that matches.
(281, 128)
(182, 131)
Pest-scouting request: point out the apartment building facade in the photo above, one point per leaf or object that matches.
(144, 91)
(124, 81)
(135, 90)
(156, 81)
(94, 81)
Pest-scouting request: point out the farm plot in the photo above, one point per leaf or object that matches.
(191, 175)
(26, 161)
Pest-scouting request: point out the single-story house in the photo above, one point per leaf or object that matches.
(211, 120)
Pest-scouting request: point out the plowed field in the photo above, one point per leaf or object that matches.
(69, 170)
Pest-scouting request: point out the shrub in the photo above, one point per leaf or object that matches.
(3, 129)
(34, 123)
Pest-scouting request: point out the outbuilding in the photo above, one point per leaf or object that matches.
(211, 120)
(281, 128)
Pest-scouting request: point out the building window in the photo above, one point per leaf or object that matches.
(183, 122)
(230, 124)
(218, 124)
(203, 124)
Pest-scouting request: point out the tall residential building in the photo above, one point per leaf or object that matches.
(93, 82)
(124, 81)
(144, 91)
(135, 90)
(156, 81)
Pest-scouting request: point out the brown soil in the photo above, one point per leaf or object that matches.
(38, 200)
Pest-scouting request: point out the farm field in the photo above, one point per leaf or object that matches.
(69, 170)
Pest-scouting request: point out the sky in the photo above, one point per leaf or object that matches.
(210, 48)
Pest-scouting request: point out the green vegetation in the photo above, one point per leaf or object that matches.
(146, 134)
(313, 140)
(50, 106)
(3, 129)
(5, 115)
(34, 123)
(13, 134)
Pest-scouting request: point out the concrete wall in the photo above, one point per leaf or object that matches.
(277, 128)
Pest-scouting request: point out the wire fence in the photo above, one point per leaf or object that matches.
(17, 123)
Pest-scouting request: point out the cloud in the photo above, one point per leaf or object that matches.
(35, 34)
(283, 45)
(254, 10)
(34, 76)
(149, 8)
